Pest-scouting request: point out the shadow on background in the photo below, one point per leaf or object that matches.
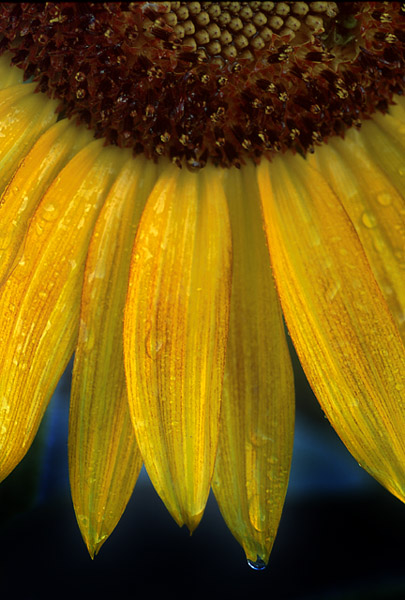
(341, 535)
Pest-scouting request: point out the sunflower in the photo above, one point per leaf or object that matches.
(175, 176)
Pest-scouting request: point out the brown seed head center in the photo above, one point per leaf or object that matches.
(220, 81)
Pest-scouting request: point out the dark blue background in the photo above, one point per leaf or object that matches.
(341, 535)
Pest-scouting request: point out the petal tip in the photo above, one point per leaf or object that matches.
(192, 521)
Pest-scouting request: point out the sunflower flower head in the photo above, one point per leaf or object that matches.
(169, 283)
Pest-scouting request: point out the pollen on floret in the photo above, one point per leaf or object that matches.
(218, 81)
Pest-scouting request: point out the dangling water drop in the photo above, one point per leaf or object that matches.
(257, 565)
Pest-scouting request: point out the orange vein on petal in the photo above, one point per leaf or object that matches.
(35, 173)
(375, 208)
(176, 322)
(341, 326)
(24, 116)
(104, 460)
(39, 302)
(257, 419)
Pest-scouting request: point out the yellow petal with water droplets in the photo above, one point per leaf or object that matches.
(257, 419)
(104, 460)
(341, 326)
(175, 332)
(24, 116)
(9, 75)
(40, 301)
(375, 208)
(34, 175)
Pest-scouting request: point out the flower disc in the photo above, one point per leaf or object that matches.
(212, 80)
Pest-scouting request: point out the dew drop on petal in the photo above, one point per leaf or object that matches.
(4, 406)
(257, 565)
(39, 228)
(83, 520)
(49, 213)
(332, 290)
(368, 219)
(384, 199)
(100, 539)
(152, 347)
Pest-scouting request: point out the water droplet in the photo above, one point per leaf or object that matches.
(39, 228)
(368, 219)
(89, 338)
(332, 290)
(257, 565)
(152, 347)
(49, 213)
(152, 343)
(384, 199)
(83, 520)
(401, 169)
(387, 290)
(259, 438)
(4, 406)
(100, 538)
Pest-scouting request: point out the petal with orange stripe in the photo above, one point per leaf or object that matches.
(375, 207)
(24, 116)
(104, 460)
(35, 173)
(175, 332)
(40, 300)
(257, 420)
(345, 337)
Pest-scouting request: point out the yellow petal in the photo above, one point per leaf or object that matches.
(39, 303)
(34, 175)
(375, 208)
(176, 321)
(24, 116)
(384, 138)
(257, 419)
(104, 460)
(397, 110)
(9, 75)
(339, 321)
